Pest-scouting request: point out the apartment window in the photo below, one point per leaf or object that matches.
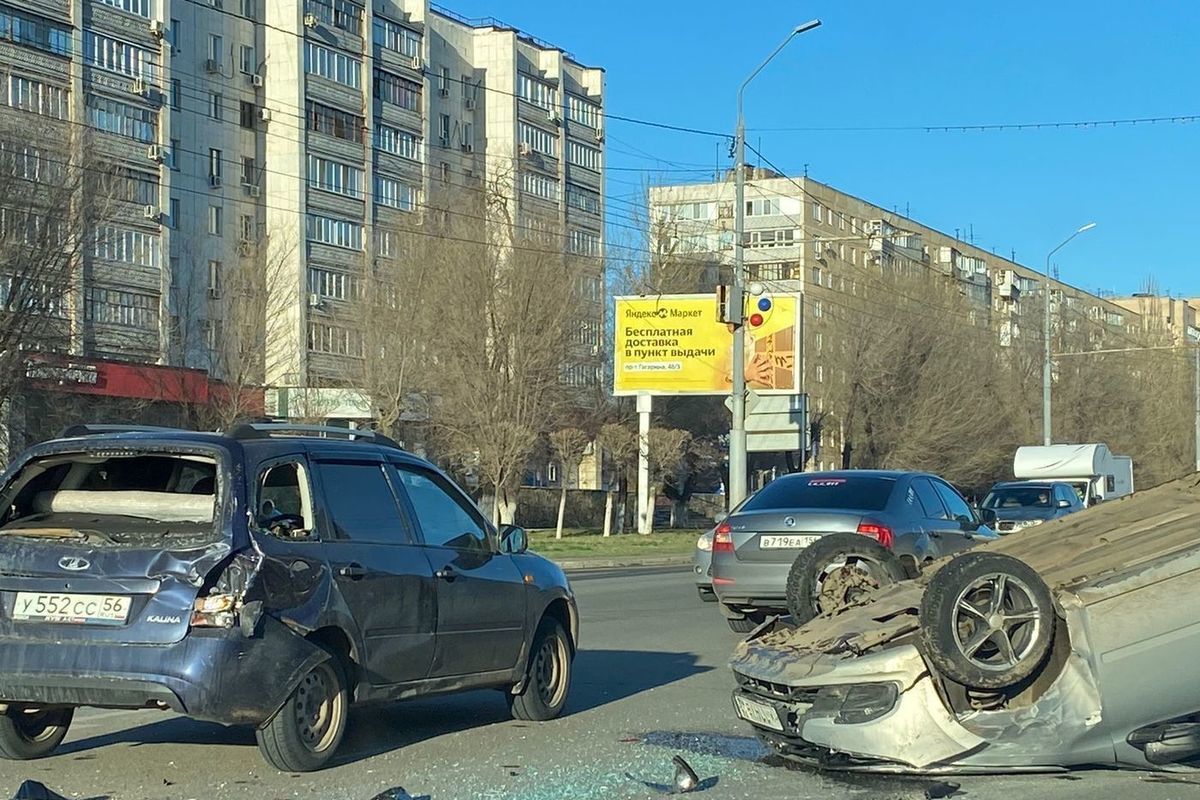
(589, 288)
(137, 187)
(332, 122)
(785, 237)
(820, 374)
(215, 101)
(176, 154)
(762, 207)
(583, 199)
(215, 225)
(332, 284)
(817, 310)
(216, 48)
(445, 173)
(249, 9)
(385, 243)
(829, 216)
(176, 36)
(248, 63)
(444, 130)
(339, 13)
(126, 246)
(583, 156)
(176, 94)
(42, 98)
(246, 228)
(120, 307)
(819, 341)
(394, 193)
(691, 211)
(816, 276)
(331, 64)
(816, 212)
(214, 163)
(398, 142)
(114, 55)
(842, 222)
(583, 112)
(336, 177)
(249, 173)
(538, 140)
(817, 247)
(122, 119)
(33, 31)
(539, 185)
(397, 38)
(139, 7)
(584, 243)
(214, 278)
(534, 91)
(334, 340)
(212, 334)
(336, 232)
(246, 114)
(444, 80)
(467, 136)
(397, 91)
(467, 88)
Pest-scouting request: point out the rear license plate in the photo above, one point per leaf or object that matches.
(785, 542)
(77, 609)
(758, 713)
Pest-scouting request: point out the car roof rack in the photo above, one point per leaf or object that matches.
(74, 431)
(266, 430)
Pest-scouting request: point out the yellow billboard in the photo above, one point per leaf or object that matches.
(674, 344)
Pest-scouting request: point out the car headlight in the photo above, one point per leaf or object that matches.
(856, 703)
(704, 543)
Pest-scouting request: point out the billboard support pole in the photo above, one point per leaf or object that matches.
(645, 404)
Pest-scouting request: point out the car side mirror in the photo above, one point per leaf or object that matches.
(720, 517)
(987, 516)
(1064, 503)
(513, 540)
(967, 524)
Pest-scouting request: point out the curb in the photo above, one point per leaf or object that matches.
(611, 562)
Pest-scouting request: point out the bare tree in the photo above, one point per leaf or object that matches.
(620, 443)
(569, 446)
(667, 451)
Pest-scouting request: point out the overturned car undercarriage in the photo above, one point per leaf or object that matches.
(1072, 643)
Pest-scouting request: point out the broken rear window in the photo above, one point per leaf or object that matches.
(113, 498)
(858, 493)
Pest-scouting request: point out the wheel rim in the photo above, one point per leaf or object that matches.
(319, 707)
(997, 622)
(37, 724)
(550, 671)
(842, 582)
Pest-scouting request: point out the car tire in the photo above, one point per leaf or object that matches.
(743, 625)
(987, 621)
(547, 675)
(29, 733)
(707, 595)
(306, 731)
(809, 590)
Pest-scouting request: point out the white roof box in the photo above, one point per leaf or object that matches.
(1059, 461)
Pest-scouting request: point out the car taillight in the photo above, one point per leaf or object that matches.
(214, 611)
(880, 533)
(723, 538)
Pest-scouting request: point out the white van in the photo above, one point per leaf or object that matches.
(1096, 473)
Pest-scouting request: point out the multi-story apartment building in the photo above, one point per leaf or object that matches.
(805, 236)
(1177, 316)
(290, 135)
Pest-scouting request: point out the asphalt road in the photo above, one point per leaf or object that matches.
(650, 682)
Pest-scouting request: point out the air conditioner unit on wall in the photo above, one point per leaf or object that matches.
(150, 212)
(314, 300)
(310, 20)
(156, 152)
(157, 28)
(469, 102)
(525, 149)
(599, 134)
(256, 81)
(264, 114)
(139, 86)
(212, 65)
(214, 181)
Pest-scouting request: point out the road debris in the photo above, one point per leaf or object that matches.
(940, 790)
(33, 790)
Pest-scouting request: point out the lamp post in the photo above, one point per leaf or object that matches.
(1046, 440)
(737, 297)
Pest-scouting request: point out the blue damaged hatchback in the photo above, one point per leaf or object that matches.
(271, 576)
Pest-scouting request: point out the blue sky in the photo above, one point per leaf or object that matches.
(876, 63)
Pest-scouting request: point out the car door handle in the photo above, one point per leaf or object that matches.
(354, 572)
(935, 534)
(447, 574)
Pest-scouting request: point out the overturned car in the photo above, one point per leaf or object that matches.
(1073, 644)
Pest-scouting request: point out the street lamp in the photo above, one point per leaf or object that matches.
(737, 430)
(1046, 336)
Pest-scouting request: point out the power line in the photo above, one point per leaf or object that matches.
(1181, 119)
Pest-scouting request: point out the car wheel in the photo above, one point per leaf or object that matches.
(27, 733)
(707, 595)
(836, 570)
(547, 676)
(987, 621)
(305, 733)
(744, 625)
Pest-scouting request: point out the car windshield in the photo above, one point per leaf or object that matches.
(859, 493)
(113, 498)
(1018, 497)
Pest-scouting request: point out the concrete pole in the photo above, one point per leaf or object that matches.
(737, 290)
(1046, 438)
(645, 404)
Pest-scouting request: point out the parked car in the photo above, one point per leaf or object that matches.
(916, 516)
(1023, 504)
(272, 577)
(1033, 652)
(702, 567)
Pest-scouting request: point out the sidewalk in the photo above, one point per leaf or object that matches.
(610, 562)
